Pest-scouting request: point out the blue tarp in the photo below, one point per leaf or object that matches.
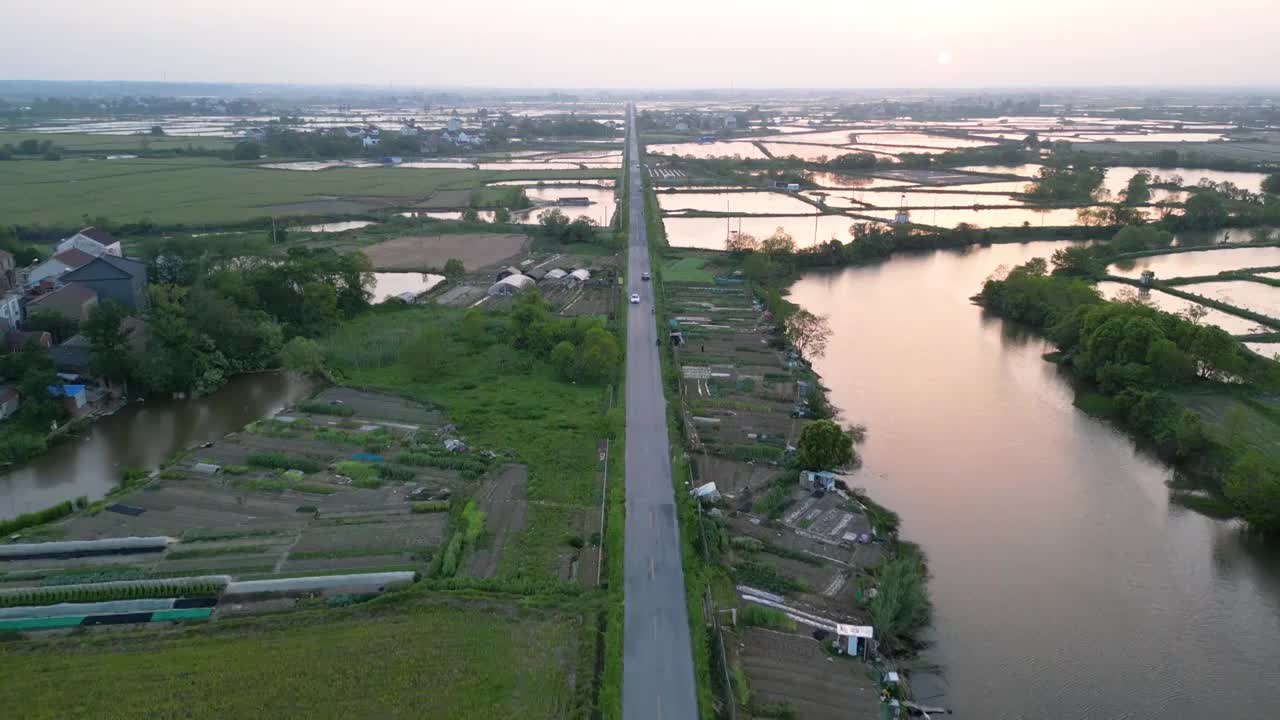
(367, 457)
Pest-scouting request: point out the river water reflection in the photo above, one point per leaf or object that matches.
(1066, 583)
(143, 436)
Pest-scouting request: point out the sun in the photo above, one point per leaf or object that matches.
(944, 58)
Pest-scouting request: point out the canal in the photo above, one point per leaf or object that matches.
(143, 436)
(1066, 584)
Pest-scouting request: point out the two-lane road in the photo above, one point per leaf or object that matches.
(657, 667)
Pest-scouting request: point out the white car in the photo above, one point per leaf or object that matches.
(635, 298)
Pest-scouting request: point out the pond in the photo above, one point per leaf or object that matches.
(1233, 324)
(707, 150)
(1010, 217)
(1200, 262)
(392, 284)
(841, 180)
(1066, 583)
(710, 232)
(1253, 296)
(143, 436)
(754, 203)
(334, 227)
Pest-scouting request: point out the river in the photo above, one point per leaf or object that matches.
(1066, 584)
(144, 436)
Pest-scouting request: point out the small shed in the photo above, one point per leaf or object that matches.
(707, 492)
(577, 277)
(854, 639)
(536, 274)
(817, 480)
(511, 284)
(554, 274)
(207, 468)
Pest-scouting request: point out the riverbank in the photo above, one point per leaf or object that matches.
(793, 564)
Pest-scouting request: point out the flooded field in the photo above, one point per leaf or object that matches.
(389, 285)
(806, 152)
(1001, 186)
(917, 199)
(1013, 217)
(710, 233)
(841, 180)
(316, 165)
(1233, 324)
(601, 207)
(1266, 350)
(918, 140)
(605, 183)
(708, 150)
(1204, 262)
(755, 203)
(1028, 170)
(484, 215)
(1254, 296)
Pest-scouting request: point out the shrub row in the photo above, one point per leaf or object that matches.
(280, 461)
(469, 466)
(40, 517)
(104, 593)
(431, 506)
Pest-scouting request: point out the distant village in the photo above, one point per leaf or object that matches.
(86, 269)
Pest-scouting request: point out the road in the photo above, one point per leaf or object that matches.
(657, 665)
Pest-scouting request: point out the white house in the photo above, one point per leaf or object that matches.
(93, 241)
(11, 309)
(353, 131)
(854, 640)
(817, 480)
(370, 141)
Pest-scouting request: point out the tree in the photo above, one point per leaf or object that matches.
(779, 243)
(824, 445)
(502, 216)
(1252, 486)
(246, 150)
(1271, 184)
(109, 354)
(1205, 210)
(470, 215)
(453, 268)
(156, 131)
(807, 333)
(564, 360)
(901, 605)
(1138, 191)
(302, 355)
(599, 358)
(428, 355)
(55, 323)
(1077, 260)
(740, 242)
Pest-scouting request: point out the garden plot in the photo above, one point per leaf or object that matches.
(505, 504)
(794, 671)
(733, 478)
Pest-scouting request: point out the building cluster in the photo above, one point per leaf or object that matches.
(512, 280)
(85, 270)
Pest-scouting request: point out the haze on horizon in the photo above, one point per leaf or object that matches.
(651, 44)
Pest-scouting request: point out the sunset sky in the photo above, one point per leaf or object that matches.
(654, 43)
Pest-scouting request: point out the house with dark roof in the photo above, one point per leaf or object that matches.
(60, 264)
(113, 278)
(74, 301)
(93, 241)
(15, 340)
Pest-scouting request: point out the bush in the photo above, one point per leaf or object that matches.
(901, 606)
(361, 475)
(761, 616)
(431, 506)
(40, 517)
(393, 473)
(747, 544)
(280, 461)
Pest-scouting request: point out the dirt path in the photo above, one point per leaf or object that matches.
(505, 504)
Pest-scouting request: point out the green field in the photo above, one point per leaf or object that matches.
(498, 402)
(482, 661)
(204, 191)
(686, 270)
(86, 142)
